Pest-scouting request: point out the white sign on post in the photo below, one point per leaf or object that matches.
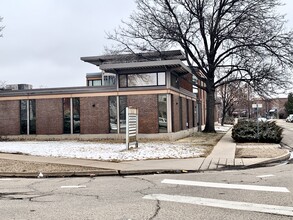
(131, 126)
(256, 105)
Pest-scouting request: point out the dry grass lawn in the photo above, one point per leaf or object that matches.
(203, 140)
(257, 150)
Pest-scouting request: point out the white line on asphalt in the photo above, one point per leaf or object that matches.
(244, 206)
(264, 176)
(81, 186)
(226, 186)
(5, 179)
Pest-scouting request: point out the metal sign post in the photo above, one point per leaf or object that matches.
(257, 106)
(131, 126)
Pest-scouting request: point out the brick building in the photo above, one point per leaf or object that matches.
(159, 85)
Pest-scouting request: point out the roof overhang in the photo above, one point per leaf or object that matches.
(161, 65)
(137, 57)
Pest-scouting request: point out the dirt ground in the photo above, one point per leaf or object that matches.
(9, 166)
(203, 140)
(258, 150)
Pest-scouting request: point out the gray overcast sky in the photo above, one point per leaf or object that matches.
(43, 40)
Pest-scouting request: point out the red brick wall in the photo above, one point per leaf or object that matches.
(49, 116)
(175, 117)
(186, 82)
(190, 111)
(9, 118)
(94, 115)
(147, 112)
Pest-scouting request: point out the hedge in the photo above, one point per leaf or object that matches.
(246, 131)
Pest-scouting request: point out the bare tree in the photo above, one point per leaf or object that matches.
(289, 104)
(231, 95)
(227, 40)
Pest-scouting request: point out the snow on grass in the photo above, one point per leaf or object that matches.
(101, 151)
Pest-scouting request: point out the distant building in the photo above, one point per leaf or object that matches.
(18, 86)
(267, 107)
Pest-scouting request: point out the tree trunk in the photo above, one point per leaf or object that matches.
(223, 119)
(210, 112)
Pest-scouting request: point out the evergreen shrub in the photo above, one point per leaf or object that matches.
(246, 131)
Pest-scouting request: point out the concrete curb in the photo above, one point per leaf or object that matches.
(61, 174)
(155, 171)
(281, 158)
(94, 174)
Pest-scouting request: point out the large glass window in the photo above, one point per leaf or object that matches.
(32, 116)
(161, 79)
(71, 115)
(66, 116)
(28, 117)
(162, 106)
(109, 80)
(113, 114)
(123, 81)
(122, 113)
(113, 107)
(148, 79)
(95, 82)
(174, 81)
(143, 79)
(192, 114)
(23, 117)
(76, 115)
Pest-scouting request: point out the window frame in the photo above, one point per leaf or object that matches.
(72, 123)
(30, 119)
(127, 79)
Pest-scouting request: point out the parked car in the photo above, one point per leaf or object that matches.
(162, 122)
(289, 118)
(262, 119)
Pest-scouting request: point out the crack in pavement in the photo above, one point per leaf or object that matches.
(158, 208)
(30, 195)
(145, 180)
(158, 203)
(21, 196)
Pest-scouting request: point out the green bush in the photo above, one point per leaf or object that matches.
(246, 131)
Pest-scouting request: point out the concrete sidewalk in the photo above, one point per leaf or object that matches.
(222, 157)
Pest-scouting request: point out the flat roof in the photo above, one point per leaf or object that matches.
(137, 57)
(57, 91)
(97, 74)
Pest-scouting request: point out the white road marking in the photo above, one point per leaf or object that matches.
(244, 206)
(5, 179)
(226, 186)
(81, 186)
(264, 176)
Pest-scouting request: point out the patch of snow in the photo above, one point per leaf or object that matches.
(101, 151)
(223, 128)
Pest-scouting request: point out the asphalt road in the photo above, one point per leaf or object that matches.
(287, 132)
(129, 197)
